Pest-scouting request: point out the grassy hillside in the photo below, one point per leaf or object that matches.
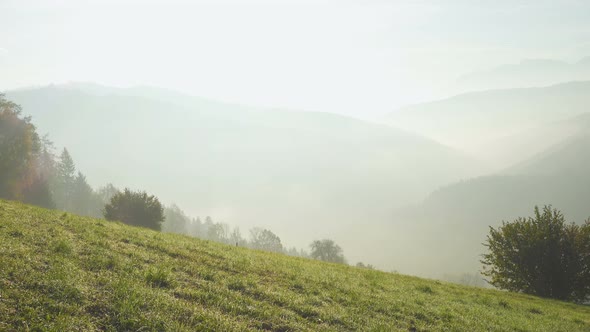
(61, 272)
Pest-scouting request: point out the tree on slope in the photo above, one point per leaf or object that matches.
(20, 147)
(263, 239)
(84, 200)
(64, 182)
(235, 237)
(540, 255)
(105, 193)
(135, 208)
(327, 250)
(217, 231)
(176, 220)
(71, 190)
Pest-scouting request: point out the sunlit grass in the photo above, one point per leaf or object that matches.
(60, 272)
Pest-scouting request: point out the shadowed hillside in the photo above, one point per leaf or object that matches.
(559, 176)
(569, 156)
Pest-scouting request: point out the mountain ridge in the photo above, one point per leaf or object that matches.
(477, 122)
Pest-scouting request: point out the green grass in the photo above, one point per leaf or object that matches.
(60, 272)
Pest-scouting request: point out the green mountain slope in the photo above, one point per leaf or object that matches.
(61, 272)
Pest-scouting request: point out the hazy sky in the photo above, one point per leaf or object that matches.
(354, 57)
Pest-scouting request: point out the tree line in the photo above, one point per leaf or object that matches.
(176, 221)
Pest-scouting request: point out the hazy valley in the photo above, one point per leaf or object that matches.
(294, 165)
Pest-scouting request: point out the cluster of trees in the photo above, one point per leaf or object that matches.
(328, 251)
(176, 221)
(23, 171)
(364, 266)
(31, 172)
(475, 279)
(65, 188)
(540, 255)
(140, 209)
(71, 191)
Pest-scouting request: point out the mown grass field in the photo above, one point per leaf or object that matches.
(61, 272)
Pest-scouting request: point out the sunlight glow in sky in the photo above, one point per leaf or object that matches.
(354, 57)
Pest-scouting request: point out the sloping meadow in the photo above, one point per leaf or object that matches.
(61, 272)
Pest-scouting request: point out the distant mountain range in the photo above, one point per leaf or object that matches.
(552, 170)
(502, 127)
(305, 175)
(571, 155)
(527, 73)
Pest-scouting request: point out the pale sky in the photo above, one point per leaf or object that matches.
(353, 57)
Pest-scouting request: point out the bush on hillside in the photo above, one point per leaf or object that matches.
(135, 208)
(540, 255)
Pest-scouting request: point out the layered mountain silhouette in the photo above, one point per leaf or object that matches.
(526, 73)
(302, 174)
(556, 174)
(498, 125)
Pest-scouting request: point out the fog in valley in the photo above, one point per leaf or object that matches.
(393, 128)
